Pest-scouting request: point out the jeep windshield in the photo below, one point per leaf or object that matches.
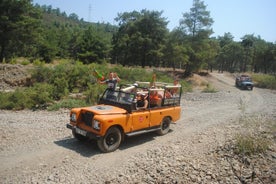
(118, 98)
(245, 78)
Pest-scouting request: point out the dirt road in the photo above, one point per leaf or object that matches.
(36, 147)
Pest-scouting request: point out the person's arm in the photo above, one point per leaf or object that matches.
(117, 77)
(146, 104)
(102, 82)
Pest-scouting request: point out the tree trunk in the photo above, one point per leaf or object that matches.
(2, 53)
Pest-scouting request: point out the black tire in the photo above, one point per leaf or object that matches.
(111, 141)
(79, 137)
(165, 126)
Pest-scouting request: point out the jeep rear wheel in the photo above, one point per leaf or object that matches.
(111, 141)
(165, 126)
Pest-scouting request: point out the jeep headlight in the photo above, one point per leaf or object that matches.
(96, 124)
(73, 117)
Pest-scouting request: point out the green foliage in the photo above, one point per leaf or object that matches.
(67, 103)
(140, 38)
(93, 92)
(92, 47)
(197, 25)
(52, 85)
(36, 97)
(16, 100)
(64, 77)
(186, 86)
(249, 144)
(209, 89)
(46, 34)
(264, 81)
(19, 23)
(39, 95)
(130, 75)
(256, 134)
(60, 88)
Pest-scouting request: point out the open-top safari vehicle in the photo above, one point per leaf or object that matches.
(117, 115)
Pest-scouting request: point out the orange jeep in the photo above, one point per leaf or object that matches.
(117, 115)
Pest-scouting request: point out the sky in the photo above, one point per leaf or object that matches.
(238, 17)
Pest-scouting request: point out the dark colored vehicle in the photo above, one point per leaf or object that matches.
(244, 82)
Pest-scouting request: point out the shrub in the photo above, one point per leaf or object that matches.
(256, 135)
(249, 144)
(60, 88)
(67, 103)
(55, 82)
(34, 97)
(209, 89)
(93, 92)
(186, 87)
(40, 95)
(264, 81)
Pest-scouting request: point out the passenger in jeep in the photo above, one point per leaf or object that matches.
(154, 99)
(142, 102)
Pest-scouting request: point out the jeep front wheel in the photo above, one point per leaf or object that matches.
(165, 126)
(111, 141)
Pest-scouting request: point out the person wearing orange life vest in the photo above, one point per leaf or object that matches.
(154, 99)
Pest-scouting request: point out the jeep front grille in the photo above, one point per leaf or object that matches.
(87, 118)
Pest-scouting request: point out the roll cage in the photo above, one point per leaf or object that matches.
(125, 96)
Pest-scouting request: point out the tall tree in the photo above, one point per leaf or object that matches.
(230, 56)
(140, 38)
(197, 25)
(175, 52)
(227, 38)
(92, 47)
(247, 43)
(19, 22)
(264, 57)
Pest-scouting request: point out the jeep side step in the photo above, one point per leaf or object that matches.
(142, 131)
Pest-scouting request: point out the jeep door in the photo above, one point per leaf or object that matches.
(140, 120)
(156, 116)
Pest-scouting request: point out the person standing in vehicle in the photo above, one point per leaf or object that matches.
(112, 81)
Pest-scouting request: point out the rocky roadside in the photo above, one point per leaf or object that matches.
(216, 162)
(35, 147)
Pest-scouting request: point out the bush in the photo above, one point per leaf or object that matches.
(186, 87)
(248, 144)
(264, 81)
(93, 92)
(60, 88)
(256, 135)
(67, 103)
(209, 89)
(36, 97)
(55, 82)
(40, 95)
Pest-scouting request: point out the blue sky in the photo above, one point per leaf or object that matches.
(239, 17)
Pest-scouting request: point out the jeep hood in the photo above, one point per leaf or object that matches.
(105, 109)
(247, 83)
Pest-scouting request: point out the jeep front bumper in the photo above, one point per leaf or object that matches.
(83, 132)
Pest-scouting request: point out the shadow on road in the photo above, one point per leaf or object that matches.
(89, 148)
(85, 148)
